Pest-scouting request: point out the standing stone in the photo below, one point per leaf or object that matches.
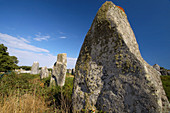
(157, 67)
(168, 72)
(44, 73)
(73, 71)
(35, 68)
(59, 70)
(110, 73)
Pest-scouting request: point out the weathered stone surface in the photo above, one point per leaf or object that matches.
(44, 73)
(110, 73)
(35, 68)
(157, 67)
(59, 70)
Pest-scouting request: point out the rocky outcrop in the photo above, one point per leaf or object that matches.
(59, 70)
(44, 73)
(161, 70)
(35, 68)
(110, 73)
(157, 67)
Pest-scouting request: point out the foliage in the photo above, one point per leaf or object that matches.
(25, 67)
(162, 68)
(19, 88)
(50, 69)
(166, 85)
(6, 62)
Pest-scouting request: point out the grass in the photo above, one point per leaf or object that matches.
(166, 85)
(26, 93)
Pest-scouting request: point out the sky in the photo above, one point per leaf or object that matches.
(38, 30)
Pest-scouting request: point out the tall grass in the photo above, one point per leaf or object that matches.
(25, 93)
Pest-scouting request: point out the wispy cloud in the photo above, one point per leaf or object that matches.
(40, 37)
(27, 53)
(63, 37)
(60, 32)
(27, 58)
(19, 43)
(23, 39)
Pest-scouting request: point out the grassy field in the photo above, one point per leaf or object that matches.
(26, 93)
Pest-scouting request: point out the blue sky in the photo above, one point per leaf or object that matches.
(38, 30)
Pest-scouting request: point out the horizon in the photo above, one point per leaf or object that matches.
(39, 30)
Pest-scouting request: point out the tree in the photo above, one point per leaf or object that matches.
(7, 62)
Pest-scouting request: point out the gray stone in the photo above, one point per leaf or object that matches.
(73, 71)
(110, 73)
(168, 72)
(35, 68)
(157, 67)
(44, 73)
(59, 70)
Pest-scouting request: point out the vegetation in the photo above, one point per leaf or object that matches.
(7, 62)
(26, 93)
(25, 67)
(166, 85)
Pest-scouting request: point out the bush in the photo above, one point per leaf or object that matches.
(166, 85)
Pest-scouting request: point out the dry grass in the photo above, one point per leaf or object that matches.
(25, 93)
(26, 103)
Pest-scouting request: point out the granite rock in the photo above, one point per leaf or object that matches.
(59, 70)
(157, 67)
(110, 73)
(35, 68)
(44, 73)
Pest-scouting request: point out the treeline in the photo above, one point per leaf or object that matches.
(7, 62)
(29, 68)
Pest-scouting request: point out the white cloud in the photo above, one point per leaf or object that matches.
(63, 37)
(40, 37)
(19, 43)
(71, 62)
(27, 53)
(61, 32)
(27, 58)
(23, 39)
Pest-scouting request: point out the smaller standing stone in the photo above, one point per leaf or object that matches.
(59, 70)
(73, 71)
(35, 68)
(44, 73)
